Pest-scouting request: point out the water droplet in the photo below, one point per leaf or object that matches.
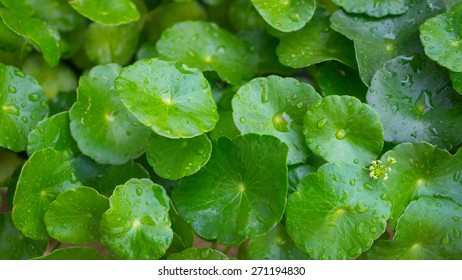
(456, 233)
(317, 103)
(433, 131)
(11, 109)
(359, 228)
(384, 196)
(352, 182)
(19, 74)
(445, 240)
(340, 134)
(361, 209)
(43, 103)
(309, 141)
(373, 229)
(139, 191)
(281, 121)
(456, 176)
(12, 89)
(455, 218)
(299, 105)
(356, 161)
(242, 120)
(439, 205)
(220, 50)
(322, 123)
(295, 16)
(343, 198)
(24, 119)
(305, 132)
(368, 186)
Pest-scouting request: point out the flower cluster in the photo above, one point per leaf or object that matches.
(377, 170)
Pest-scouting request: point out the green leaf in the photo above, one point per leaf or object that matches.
(36, 30)
(198, 254)
(44, 176)
(225, 126)
(183, 235)
(274, 245)
(429, 229)
(315, 43)
(441, 37)
(243, 16)
(14, 245)
(338, 79)
(337, 213)
(244, 180)
(9, 162)
(53, 133)
(296, 174)
(421, 169)
(100, 123)
(143, 232)
(176, 158)
(286, 15)
(73, 253)
(342, 129)
(275, 106)
(111, 44)
(210, 48)
(379, 40)
(104, 178)
(74, 216)
(23, 105)
(109, 12)
(172, 99)
(456, 79)
(416, 102)
(374, 8)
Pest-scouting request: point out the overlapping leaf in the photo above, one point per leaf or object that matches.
(198, 254)
(374, 8)
(110, 12)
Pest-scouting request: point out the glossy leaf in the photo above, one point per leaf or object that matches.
(275, 106)
(100, 123)
(337, 213)
(456, 79)
(110, 12)
(342, 129)
(14, 245)
(274, 245)
(53, 133)
(296, 174)
(209, 48)
(176, 158)
(73, 253)
(198, 254)
(111, 44)
(183, 235)
(36, 30)
(429, 229)
(374, 8)
(104, 177)
(415, 101)
(244, 180)
(286, 15)
(172, 99)
(243, 16)
(74, 216)
(315, 43)
(421, 169)
(44, 176)
(225, 126)
(442, 39)
(143, 232)
(379, 40)
(23, 105)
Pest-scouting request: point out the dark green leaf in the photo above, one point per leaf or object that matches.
(110, 12)
(244, 180)
(180, 96)
(456, 79)
(73, 253)
(198, 254)
(374, 8)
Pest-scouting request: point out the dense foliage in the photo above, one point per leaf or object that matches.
(283, 129)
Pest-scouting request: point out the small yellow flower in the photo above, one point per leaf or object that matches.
(378, 171)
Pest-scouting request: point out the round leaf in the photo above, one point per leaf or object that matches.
(44, 176)
(429, 229)
(275, 106)
(379, 40)
(342, 129)
(274, 245)
(109, 12)
(73, 253)
(175, 158)
(374, 8)
(441, 37)
(23, 105)
(421, 169)
(416, 102)
(337, 212)
(144, 231)
(456, 79)
(315, 43)
(172, 99)
(36, 30)
(74, 216)
(198, 254)
(53, 133)
(241, 192)
(243, 16)
(100, 123)
(210, 48)
(14, 245)
(286, 15)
